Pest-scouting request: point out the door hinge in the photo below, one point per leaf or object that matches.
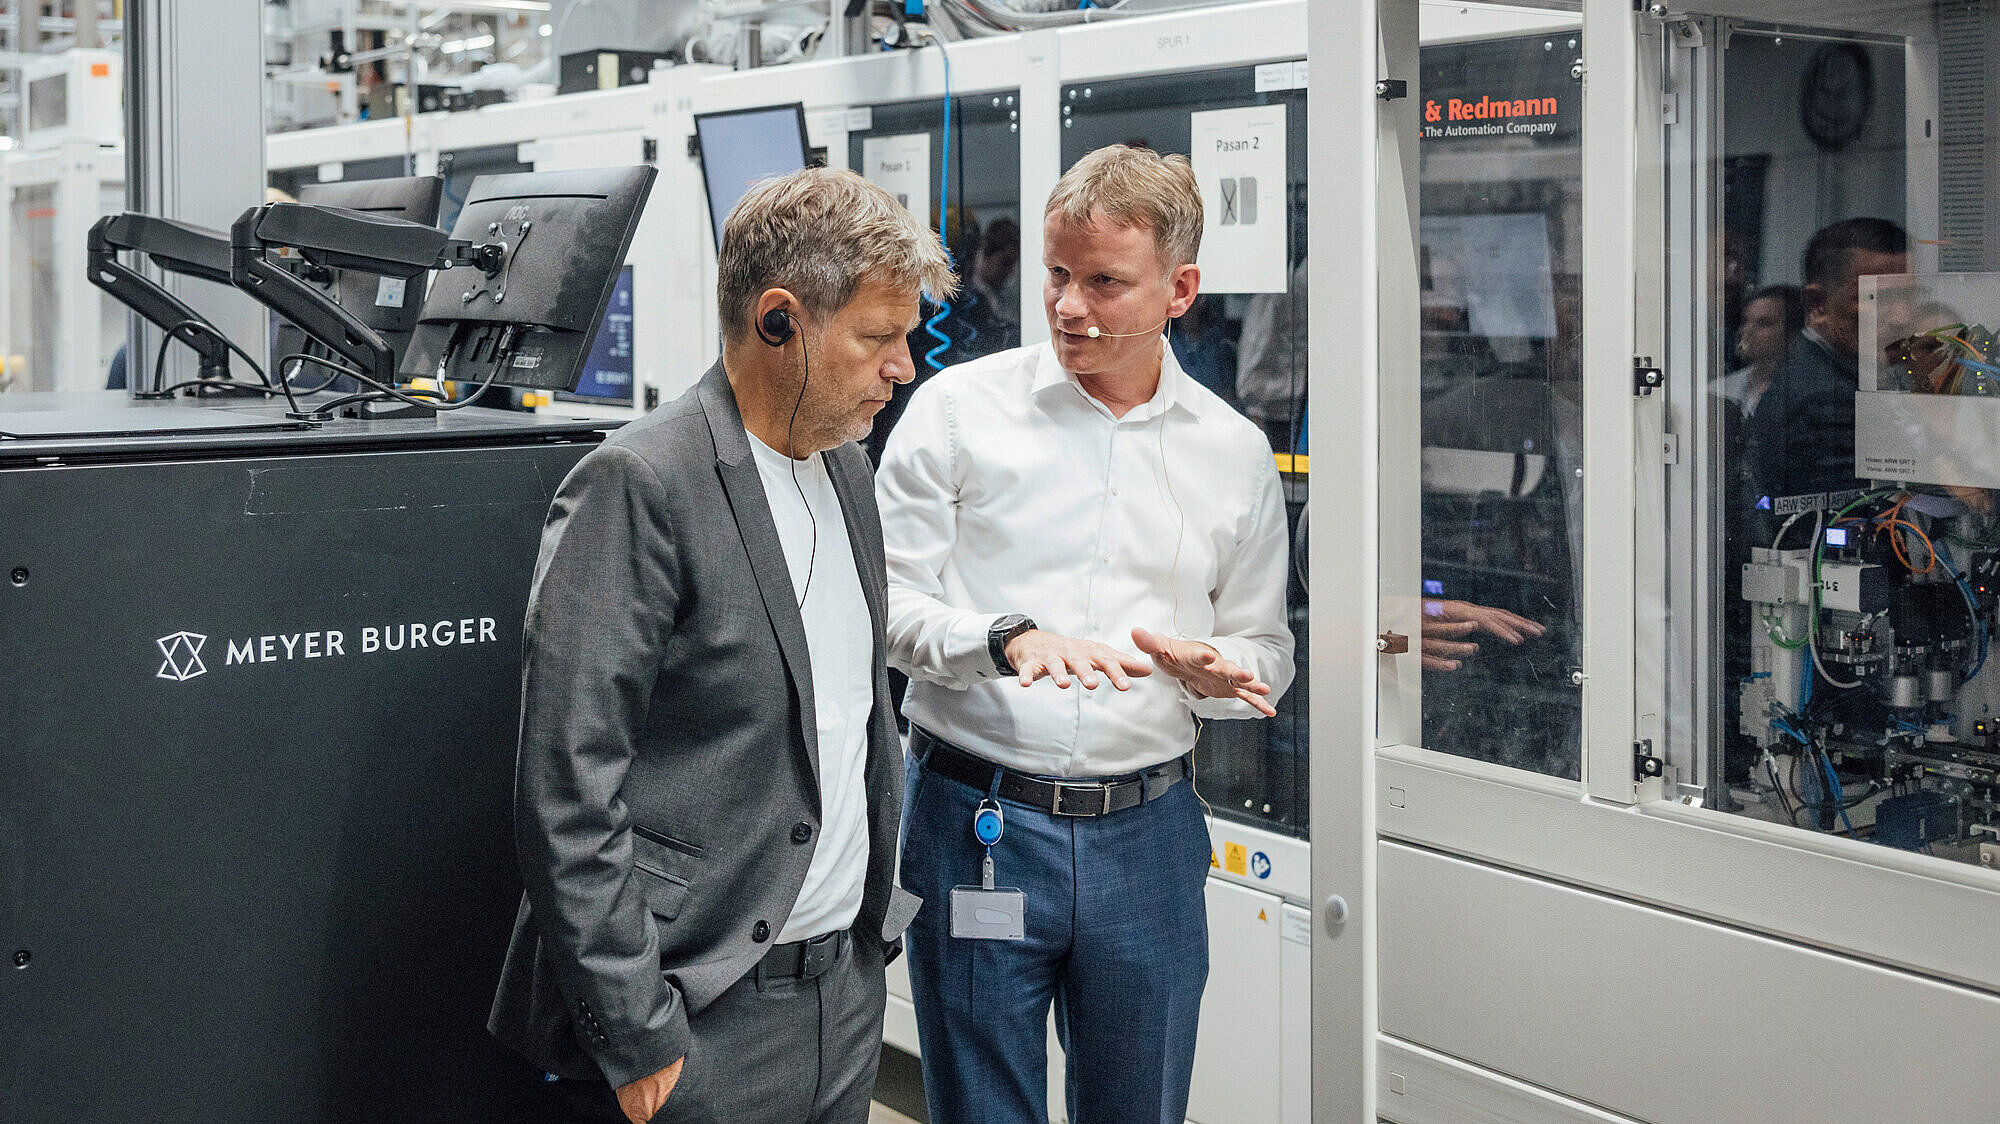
(1646, 378)
(1389, 89)
(1644, 763)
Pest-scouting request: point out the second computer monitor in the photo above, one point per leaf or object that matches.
(741, 146)
(551, 246)
(386, 304)
(389, 305)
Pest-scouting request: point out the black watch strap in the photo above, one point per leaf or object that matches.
(1004, 630)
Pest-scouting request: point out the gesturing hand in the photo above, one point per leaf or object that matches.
(1036, 653)
(1204, 670)
(641, 1100)
(1446, 623)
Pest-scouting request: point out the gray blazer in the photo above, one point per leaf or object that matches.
(667, 790)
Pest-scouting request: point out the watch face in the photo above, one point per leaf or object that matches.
(1836, 95)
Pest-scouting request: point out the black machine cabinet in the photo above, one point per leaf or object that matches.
(258, 706)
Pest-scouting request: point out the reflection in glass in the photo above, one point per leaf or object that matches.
(1501, 387)
(1250, 348)
(1859, 562)
(903, 150)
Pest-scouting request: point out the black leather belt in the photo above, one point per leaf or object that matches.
(802, 960)
(1058, 798)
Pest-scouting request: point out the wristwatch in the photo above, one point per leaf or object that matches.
(1003, 630)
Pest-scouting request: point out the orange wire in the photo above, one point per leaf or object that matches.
(1928, 545)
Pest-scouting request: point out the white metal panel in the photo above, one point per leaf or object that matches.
(338, 144)
(1447, 21)
(1928, 915)
(1295, 1016)
(1610, 228)
(1347, 173)
(977, 65)
(1262, 860)
(1422, 1086)
(1224, 35)
(1646, 239)
(1517, 974)
(1041, 167)
(1239, 1051)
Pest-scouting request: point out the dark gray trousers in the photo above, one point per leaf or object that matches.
(776, 1052)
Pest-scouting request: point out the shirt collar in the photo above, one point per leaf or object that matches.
(1172, 391)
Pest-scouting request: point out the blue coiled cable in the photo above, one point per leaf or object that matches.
(945, 221)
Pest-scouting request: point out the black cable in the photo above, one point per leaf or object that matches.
(791, 452)
(303, 358)
(385, 394)
(160, 357)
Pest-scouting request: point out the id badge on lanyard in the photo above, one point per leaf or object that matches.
(987, 912)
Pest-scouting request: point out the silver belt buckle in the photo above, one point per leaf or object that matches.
(1055, 802)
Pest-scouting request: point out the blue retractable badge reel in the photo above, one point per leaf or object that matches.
(988, 823)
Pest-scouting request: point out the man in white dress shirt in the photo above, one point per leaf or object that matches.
(1077, 513)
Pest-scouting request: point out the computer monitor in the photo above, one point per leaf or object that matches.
(530, 321)
(607, 372)
(387, 304)
(742, 146)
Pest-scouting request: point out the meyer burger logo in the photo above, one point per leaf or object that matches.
(183, 649)
(183, 652)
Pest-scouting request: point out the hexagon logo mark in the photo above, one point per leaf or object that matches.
(183, 652)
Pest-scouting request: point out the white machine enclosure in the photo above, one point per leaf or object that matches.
(57, 332)
(76, 95)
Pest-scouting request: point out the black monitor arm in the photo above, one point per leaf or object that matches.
(174, 246)
(338, 238)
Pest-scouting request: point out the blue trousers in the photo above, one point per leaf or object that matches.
(1117, 941)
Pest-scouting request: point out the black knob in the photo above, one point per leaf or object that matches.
(20, 575)
(760, 932)
(21, 958)
(802, 832)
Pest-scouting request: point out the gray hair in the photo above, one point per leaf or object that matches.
(820, 233)
(1135, 187)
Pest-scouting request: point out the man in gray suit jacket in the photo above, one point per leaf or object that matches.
(709, 777)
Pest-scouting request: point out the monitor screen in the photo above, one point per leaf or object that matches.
(553, 245)
(48, 102)
(389, 305)
(607, 372)
(743, 146)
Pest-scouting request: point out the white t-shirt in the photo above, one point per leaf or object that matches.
(840, 643)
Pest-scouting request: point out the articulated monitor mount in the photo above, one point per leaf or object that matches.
(337, 238)
(179, 248)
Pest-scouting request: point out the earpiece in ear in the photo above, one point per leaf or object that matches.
(775, 327)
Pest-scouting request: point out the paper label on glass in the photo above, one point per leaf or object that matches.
(901, 166)
(1239, 161)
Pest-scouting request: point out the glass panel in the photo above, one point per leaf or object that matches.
(37, 312)
(903, 150)
(1249, 347)
(1850, 441)
(1499, 230)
